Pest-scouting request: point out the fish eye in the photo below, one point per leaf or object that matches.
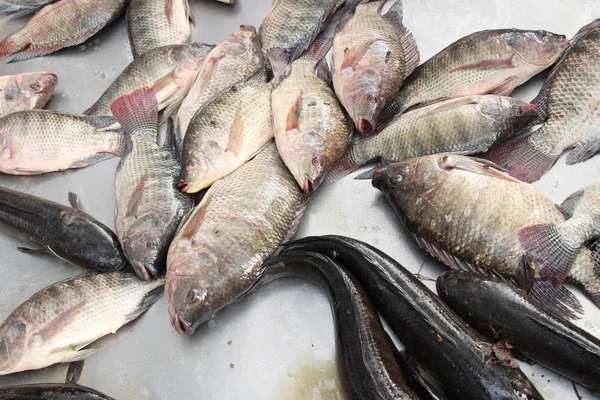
(396, 180)
(103, 266)
(192, 164)
(193, 296)
(152, 245)
(317, 161)
(35, 87)
(371, 99)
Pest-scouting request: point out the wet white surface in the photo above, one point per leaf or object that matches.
(278, 342)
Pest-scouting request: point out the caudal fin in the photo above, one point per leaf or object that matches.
(545, 246)
(136, 111)
(8, 47)
(522, 159)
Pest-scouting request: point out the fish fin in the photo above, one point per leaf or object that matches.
(92, 159)
(341, 21)
(412, 57)
(28, 250)
(541, 102)
(136, 199)
(522, 159)
(344, 12)
(350, 60)
(368, 174)
(323, 72)
(525, 277)
(392, 111)
(58, 323)
(74, 201)
(570, 203)
(70, 355)
(168, 112)
(345, 165)
(558, 298)
(451, 104)
(395, 13)
(293, 117)
(279, 61)
(190, 13)
(545, 246)
(236, 135)
(447, 258)
(149, 298)
(487, 65)
(584, 150)
(193, 224)
(8, 47)
(136, 111)
(169, 11)
(295, 223)
(74, 371)
(477, 166)
(105, 122)
(318, 49)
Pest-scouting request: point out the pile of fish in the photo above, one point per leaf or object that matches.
(257, 123)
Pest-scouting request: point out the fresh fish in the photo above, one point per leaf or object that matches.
(468, 214)
(66, 232)
(10, 9)
(63, 24)
(170, 71)
(569, 105)
(460, 358)
(58, 323)
(158, 23)
(309, 124)
(372, 55)
(234, 60)
(291, 26)
(38, 141)
(486, 62)
(225, 134)
(364, 353)
(555, 246)
(466, 125)
(51, 391)
(149, 205)
(25, 91)
(503, 312)
(217, 254)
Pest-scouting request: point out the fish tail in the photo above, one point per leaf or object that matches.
(136, 111)
(522, 159)
(547, 245)
(8, 47)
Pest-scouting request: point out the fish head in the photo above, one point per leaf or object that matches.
(540, 48)
(363, 99)
(512, 114)
(13, 336)
(243, 40)
(145, 251)
(200, 168)
(410, 178)
(309, 161)
(187, 299)
(38, 87)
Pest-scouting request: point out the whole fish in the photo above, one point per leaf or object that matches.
(25, 91)
(291, 26)
(66, 232)
(58, 323)
(364, 353)
(555, 246)
(217, 254)
(234, 60)
(149, 205)
(158, 23)
(461, 359)
(170, 71)
(372, 55)
(10, 9)
(38, 141)
(63, 24)
(504, 312)
(486, 62)
(468, 214)
(466, 125)
(569, 105)
(309, 124)
(51, 391)
(225, 134)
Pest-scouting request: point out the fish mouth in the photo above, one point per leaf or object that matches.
(309, 185)
(377, 176)
(365, 126)
(181, 326)
(147, 272)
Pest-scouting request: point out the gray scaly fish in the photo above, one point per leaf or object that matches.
(569, 105)
(25, 91)
(217, 254)
(372, 55)
(149, 205)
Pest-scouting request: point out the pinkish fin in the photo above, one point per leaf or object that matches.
(169, 11)
(350, 60)
(570, 203)
(8, 47)
(485, 65)
(584, 150)
(522, 159)
(135, 201)
(293, 118)
(476, 166)
(61, 320)
(196, 219)
(236, 135)
(545, 246)
(136, 111)
(505, 88)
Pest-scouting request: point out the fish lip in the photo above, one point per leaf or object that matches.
(181, 326)
(376, 177)
(147, 272)
(365, 126)
(309, 185)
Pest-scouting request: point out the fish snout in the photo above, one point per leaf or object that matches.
(365, 126)
(377, 177)
(181, 326)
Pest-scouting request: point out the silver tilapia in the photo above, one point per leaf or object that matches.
(10, 9)
(170, 71)
(372, 55)
(59, 25)
(310, 127)
(569, 105)
(39, 141)
(486, 62)
(555, 246)
(291, 26)
(216, 256)
(468, 214)
(225, 134)
(58, 323)
(466, 125)
(234, 60)
(158, 23)
(25, 91)
(149, 205)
